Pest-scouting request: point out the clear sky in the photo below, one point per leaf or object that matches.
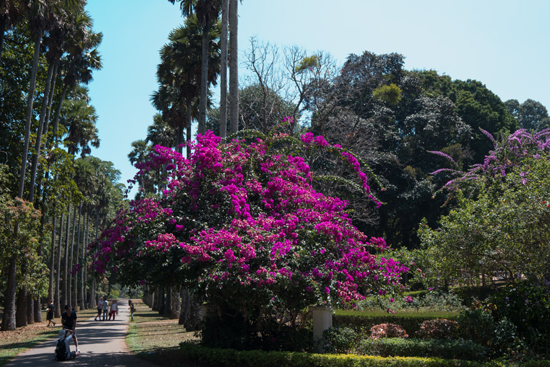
(503, 43)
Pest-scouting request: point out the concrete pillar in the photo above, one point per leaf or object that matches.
(322, 320)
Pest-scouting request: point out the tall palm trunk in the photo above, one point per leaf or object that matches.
(234, 66)
(30, 100)
(21, 313)
(52, 261)
(56, 299)
(50, 98)
(38, 143)
(58, 111)
(223, 70)
(8, 318)
(73, 264)
(71, 261)
(66, 259)
(82, 262)
(204, 77)
(2, 30)
(189, 118)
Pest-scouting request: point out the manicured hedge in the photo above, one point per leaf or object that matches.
(411, 323)
(447, 349)
(233, 358)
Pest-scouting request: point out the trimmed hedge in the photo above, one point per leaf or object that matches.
(255, 358)
(447, 349)
(411, 323)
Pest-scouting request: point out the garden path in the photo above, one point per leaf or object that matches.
(101, 343)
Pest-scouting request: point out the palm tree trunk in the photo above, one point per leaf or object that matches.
(189, 118)
(30, 100)
(234, 66)
(66, 259)
(71, 261)
(58, 111)
(52, 261)
(8, 318)
(82, 262)
(176, 303)
(2, 30)
(73, 264)
(50, 98)
(184, 309)
(223, 71)
(57, 303)
(204, 77)
(168, 303)
(40, 131)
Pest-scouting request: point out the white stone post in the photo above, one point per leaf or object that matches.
(322, 320)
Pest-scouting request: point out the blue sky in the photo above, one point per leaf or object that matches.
(504, 44)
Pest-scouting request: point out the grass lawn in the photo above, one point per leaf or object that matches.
(17, 341)
(155, 338)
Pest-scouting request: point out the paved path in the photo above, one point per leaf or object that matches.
(101, 344)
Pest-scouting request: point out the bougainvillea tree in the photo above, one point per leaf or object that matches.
(241, 226)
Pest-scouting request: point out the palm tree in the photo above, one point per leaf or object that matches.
(11, 13)
(234, 66)
(223, 69)
(206, 12)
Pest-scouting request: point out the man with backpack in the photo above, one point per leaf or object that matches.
(105, 309)
(68, 320)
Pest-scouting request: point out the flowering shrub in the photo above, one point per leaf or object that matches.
(241, 225)
(437, 329)
(387, 331)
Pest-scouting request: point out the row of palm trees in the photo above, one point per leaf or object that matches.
(49, 177)
(197, 53)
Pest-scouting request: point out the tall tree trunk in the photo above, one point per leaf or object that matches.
(179, 138)
(195, 316)
(2, 31)
(83, 263)
(73, 264)
(234, 66)
(8, 318)
(21, 313)
(50, 98)
(58, 111)
(52, 261)
(57, 303)
(223, 70)
(168, 303)
(204, 77)
(38, 143)
(30, 100)
(184, 309)
(92, 294)
(30, 308)
(175, 306)
(66, 259)
(189, 118)
(155, 305)
(162, 300)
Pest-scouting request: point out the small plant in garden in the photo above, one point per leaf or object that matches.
(339, 340)
(388, 331)
(438, 329)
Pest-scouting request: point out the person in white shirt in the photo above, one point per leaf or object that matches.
(114, 308)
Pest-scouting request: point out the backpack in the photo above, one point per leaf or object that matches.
(61, 350)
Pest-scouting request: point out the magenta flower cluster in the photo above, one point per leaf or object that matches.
(244, 216)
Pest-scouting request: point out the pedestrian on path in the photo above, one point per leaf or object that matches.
(105, 309)
(132, 308)
(68, 320)
(49, 315)
(114, 309)
(99, 309)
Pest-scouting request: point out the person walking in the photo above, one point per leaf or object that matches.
(68, 319)
(105, 309)
(132, 308)
(49, 315)
(99, 309)
(114, 309)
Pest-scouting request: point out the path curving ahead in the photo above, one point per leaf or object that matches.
(101, 344)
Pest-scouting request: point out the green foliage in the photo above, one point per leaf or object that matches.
(307, 63)
(232, 358)
(437, 329)
(447, 349)
(531, 115)
(501, 233)
(339, 339)
(390, 94)
(526, 305)
(411, 323)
